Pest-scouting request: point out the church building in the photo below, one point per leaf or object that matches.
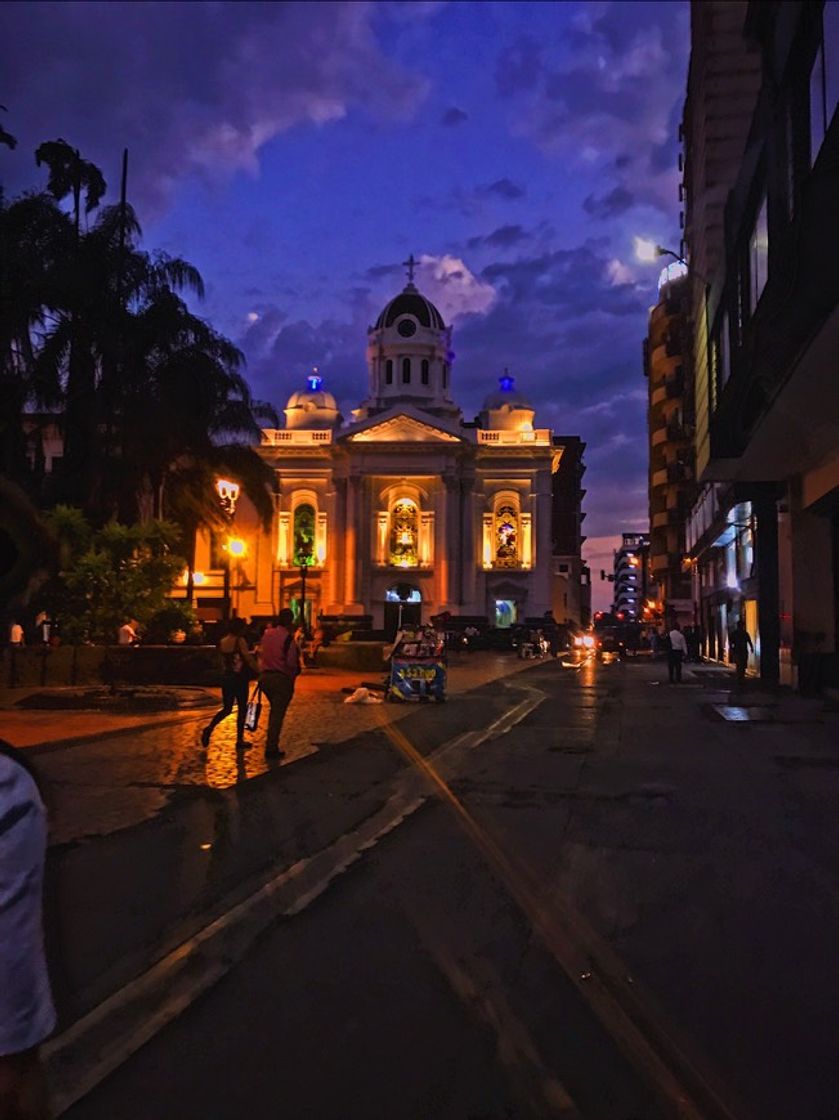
(404, 506)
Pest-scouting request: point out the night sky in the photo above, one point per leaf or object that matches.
(296, 153)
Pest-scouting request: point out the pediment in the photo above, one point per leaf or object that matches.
(402, 429)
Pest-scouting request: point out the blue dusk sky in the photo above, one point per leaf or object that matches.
(297, 153)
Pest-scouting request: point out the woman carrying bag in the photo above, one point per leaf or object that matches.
(240, 667)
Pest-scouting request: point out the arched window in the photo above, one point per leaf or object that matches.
(404, 534)
(406, 371)
(304, 535)
(389, 371)
(424, 371)
(506, 536)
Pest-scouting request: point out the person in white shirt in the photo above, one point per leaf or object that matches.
(27, 1015)
(128, 633)
(676, 654)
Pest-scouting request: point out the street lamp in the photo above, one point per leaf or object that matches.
(306, 558)
(228, 495)
(648, 252)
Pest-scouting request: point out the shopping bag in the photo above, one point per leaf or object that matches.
(253, 710)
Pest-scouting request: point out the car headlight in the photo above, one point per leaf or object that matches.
(588, 641)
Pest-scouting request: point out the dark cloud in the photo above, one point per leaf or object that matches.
(503, 188)
(453, 117)
(377, 271)
(188, 88)
(519, 67)
(610, 205)
(501, 238)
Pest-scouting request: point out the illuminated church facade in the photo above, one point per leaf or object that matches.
(405, 503)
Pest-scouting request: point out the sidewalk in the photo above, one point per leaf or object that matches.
(33, 728)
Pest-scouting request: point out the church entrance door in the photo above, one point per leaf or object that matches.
(403, 607)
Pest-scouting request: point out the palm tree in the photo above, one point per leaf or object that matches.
(70, 174)
(35, 239)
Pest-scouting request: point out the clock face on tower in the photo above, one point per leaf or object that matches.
(407, 327)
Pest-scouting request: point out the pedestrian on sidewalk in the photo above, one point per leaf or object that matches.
(279, 658)
(676, 654)
(740, 643)
(27, 1015)
(239, 667)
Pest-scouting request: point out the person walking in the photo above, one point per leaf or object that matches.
(740, 643)
(279, 659)
(239, 668)
(676, 654)
(27, 1015)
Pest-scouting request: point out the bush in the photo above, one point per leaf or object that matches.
(163, 623)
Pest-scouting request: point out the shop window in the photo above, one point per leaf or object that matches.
(404, 534)
(304, 535)
(506, 536)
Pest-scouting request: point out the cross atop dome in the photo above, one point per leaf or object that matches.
(410, 264)
(506, 381)
(314, 381)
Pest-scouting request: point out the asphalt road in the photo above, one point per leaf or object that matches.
(621, 901)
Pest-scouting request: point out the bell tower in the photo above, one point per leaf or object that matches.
(409, 355)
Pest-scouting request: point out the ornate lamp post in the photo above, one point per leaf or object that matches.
(228, 495)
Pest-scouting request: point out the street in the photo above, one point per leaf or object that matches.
(617, 904)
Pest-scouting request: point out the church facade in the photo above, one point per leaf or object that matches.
(404, 508)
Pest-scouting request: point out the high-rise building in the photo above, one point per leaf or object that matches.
(667, 357)
(571, 578)
(630, 577)
(764, 533)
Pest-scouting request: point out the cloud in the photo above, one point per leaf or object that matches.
(617, 201)
(456, 291)
(519, 66)
(502, 238)
(453, 117)
(191, 88)
(503, 188)
(616, 88)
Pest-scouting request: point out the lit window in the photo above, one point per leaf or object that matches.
(758, 256)
(506, 537)
(404, 534)
(304, 535)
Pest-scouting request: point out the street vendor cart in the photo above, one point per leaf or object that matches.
(418, 666)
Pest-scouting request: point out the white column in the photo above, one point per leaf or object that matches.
(526, 553)
(350, 541)
(320, 539)
(487, 541)
(284, 535)
(382, 525)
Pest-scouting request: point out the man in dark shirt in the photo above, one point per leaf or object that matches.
(740, 643)
(279, 660)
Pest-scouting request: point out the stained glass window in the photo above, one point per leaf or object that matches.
(506, 537)
(404, 534)
(304, 535)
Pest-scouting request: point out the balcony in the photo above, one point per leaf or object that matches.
(679, 472)
(674, 388)
(273, 437)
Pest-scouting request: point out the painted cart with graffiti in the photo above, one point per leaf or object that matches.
(418, 667)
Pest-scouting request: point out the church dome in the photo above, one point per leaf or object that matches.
(410, 301)
(312, 407)
(507, 409)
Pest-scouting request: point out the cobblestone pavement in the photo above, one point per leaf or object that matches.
(96, 788)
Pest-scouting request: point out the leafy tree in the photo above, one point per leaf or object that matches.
(112, 574)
